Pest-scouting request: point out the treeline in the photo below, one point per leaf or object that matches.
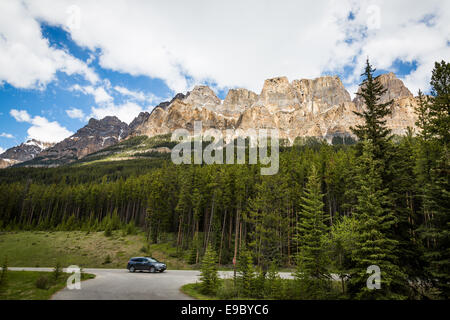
(331, 209)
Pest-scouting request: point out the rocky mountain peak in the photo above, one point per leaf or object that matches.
(317, 95)
(202, 96)
(278, 95)
(165, 104)
(237, 100)
(24, 152)
(94, 136)
(139, 120)
(396, 89)
(109, 125)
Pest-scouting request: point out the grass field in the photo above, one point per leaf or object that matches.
(193, 290)
(224, 293)
(21, 285)
(87, 250)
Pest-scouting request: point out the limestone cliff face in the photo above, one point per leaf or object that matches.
(237, 101)
(395, 89)
(320, 107)
(200, 104)
(320, 94)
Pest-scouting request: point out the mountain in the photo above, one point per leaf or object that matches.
(96, 135)
(23, 152)
(320, 107)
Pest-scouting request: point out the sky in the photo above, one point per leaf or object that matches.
(63, 62)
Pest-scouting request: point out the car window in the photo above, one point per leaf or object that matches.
(152, 260)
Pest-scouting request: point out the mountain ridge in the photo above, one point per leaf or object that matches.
(320, 107)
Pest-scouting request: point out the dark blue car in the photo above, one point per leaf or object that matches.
(145, 263)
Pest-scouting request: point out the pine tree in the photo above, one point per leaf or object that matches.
(422, 111)
(341, 245)
(439, 112)
(209, 275)
(312, 261)
(246, 272)
(373, 245)
(273, 284)
(432, 168)
(374, 113)
(265, 214)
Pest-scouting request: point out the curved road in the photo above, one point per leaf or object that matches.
(119, 284)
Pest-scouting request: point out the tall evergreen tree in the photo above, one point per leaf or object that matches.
(373, 243)
(439, 112)
(209, 275)
(312, 259)
(374, 112)
(246, 272)
(432, 167)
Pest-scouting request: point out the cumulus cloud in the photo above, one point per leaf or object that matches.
(387, 33)
(26, 58)
(125, 112)
(75, 113)
(241, 43)
(106, 106)
(99, 93)
(20, 115)
(41, 129)
(6, 135)
(137, 95)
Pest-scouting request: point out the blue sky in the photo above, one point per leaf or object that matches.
(64, 62)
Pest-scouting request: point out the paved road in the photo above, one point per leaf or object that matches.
(119, 284)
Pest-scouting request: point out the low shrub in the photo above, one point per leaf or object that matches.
(43, 283)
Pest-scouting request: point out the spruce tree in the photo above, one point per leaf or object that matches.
(374, 112)
(312, 260)
(439, 112)
(209, 275)
(273, 285)
(432, 168)
(246, 272)
(373, 245)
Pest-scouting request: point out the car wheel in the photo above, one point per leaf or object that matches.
(152, 269)
(132, 269)
(161, 271)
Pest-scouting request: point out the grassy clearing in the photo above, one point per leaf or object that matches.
(193, 290)
(224, 293)
(87, 250)
(21, 285)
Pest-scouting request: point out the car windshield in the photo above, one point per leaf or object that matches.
(152, 260)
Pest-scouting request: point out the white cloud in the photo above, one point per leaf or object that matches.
(6, 135)
(106, 106)
(75, 113)
(125, 112)
(137, 95)
(2, 150)
(402, 35)
(20, 115)
(99, 93)
(41, 129)
(241, 43)
(26, 58)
